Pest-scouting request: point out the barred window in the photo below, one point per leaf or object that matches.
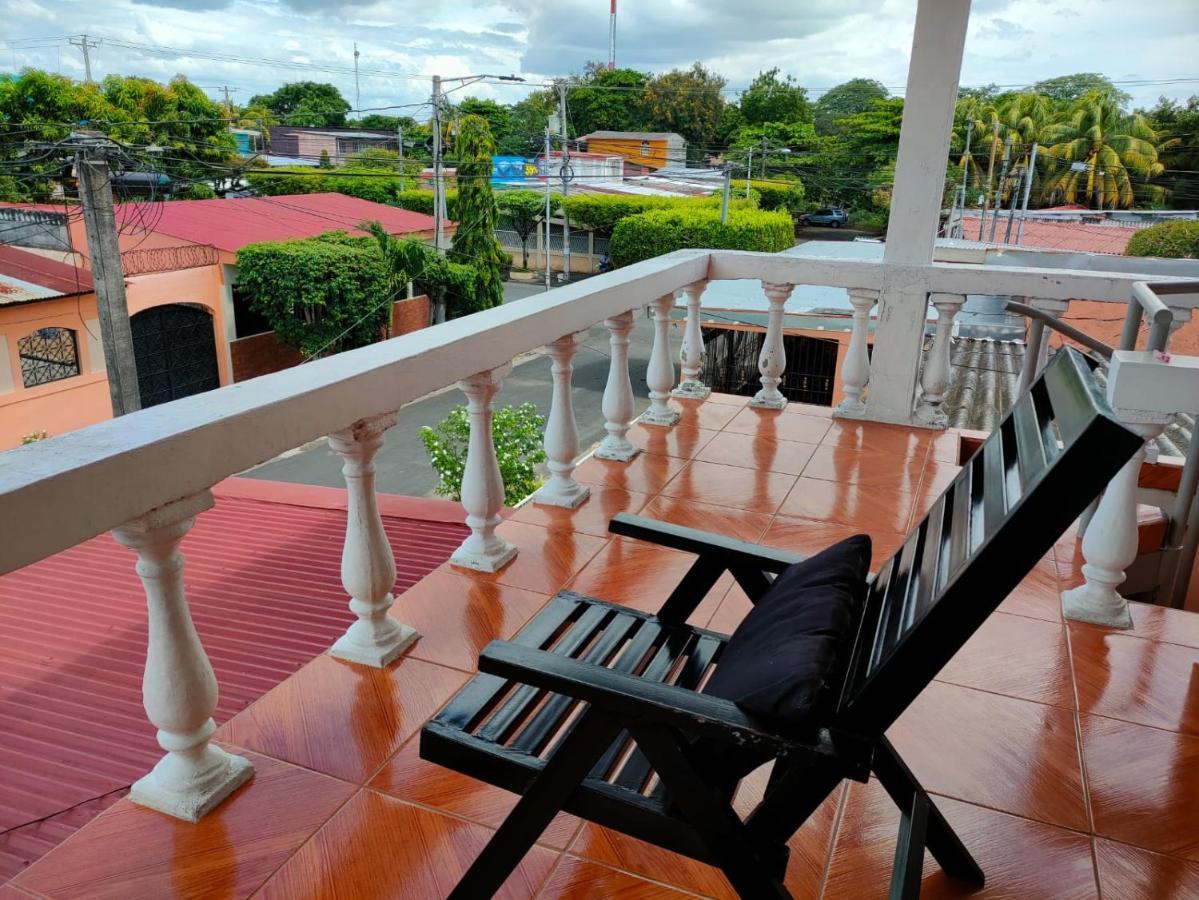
(48, 354)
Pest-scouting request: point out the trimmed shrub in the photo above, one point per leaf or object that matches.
(602, 211)
(422, 202)
(787, 196)
(1172, 240)
(659, 231)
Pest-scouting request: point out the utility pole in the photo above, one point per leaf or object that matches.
(966, 168)
(357, 92)
(1007, 152)
(437, 186)
(565, 173)
(226, 90)
(85, 45)
(95, 195)
(724, 196)
(1032, 168)
(400, 147)
(990, 172)
(547, 207)
(749, 170)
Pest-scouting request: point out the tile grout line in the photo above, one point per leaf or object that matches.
(832, 841)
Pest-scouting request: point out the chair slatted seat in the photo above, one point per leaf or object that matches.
(596, 709)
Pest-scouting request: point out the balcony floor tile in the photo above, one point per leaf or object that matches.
(579, 879)
(865, 468)
(1130, 873)
(680, 441)
(733, 486)
(780, 426)
(547, 557)
(647, 473)
(740, 524)
(590, 517)
(1016, 656)
(877, 508)
(731, 449)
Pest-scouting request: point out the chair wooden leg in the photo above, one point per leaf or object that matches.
(751, 872)
(543, 799)
(909, 850)
(941, 840)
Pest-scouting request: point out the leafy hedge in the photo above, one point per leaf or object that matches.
(603, 211)
(787, 196)
(365, 183)
(1173, 240)
(659, 231)
(422, 202)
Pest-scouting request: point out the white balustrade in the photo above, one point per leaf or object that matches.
(855, 371)
(561, 430)
(659, 375)
(1036, 344)
(772, 361)
(934, 380)
(617, 403)
(179, 689)
(693, 354)
(368, 569)
(482, 484)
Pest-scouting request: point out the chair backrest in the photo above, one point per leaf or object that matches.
(1019, 492)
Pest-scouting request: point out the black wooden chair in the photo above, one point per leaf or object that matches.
(591, 699)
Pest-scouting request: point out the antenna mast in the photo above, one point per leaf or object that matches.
(612, 38)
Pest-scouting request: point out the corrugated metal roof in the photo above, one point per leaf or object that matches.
(633, 135)
(25, 277)
(231, 224)
(265, 589)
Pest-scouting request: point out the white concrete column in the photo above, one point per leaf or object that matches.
(659, 375)
(482, 484)
(1110, 546)
(935, 378)
(179, 689)
(693, 354)
(772, 361)
(561, 431)
(368, 569)
(855, 371)
(618, 403)
(1036, 346)
(932, 85)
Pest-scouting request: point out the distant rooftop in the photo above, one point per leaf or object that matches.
(25, 277)
(1048, 234)
(633, 135)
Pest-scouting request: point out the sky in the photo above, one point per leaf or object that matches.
(821, 42)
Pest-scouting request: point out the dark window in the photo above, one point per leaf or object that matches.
(48, 354)
(245, 320)
(732, 365)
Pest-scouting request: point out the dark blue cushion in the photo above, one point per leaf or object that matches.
(786, 657)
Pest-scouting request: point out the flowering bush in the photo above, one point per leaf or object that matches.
(517, 435)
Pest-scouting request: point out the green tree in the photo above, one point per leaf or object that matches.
(1171, 240)
(1072, 88)
(1095, 151)
(1177, 125)
(516, 432)
(521, 211)
(475, 241)
(770, 98)
(324, 162)
(377, 122)
(688, 102)
(607, 100)
(772, 143)
(498, 118)
(311, 103)
(846, 99)
(528, 120)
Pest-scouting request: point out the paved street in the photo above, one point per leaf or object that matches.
(402, 464)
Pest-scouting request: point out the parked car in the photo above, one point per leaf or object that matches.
(829, 218)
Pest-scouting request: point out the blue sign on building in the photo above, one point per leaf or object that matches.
(508, 170)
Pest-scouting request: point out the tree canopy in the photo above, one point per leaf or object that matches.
(846, 99)
(312, 103)
(1072, 88)
(689, 102)
(770, 98)
(608, 99)
(475, 241)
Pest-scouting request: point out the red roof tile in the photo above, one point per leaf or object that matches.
(48, 273)
(1044, 234)
(232, 223)
(263, 579)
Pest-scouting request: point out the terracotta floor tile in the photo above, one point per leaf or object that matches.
(578, 879)
(809, 536)
(1143, 783)
(456, 616)
(731, 449)
(642, 575)
(740, 524)
(1017, 656)
(706, 414)
(732, 609)
(548, 558)
(809, 409)
(730, 486)
(411, 778)
(1000, 752)
(1130, 678)
(938, 476)
(1037, 596)
(1020, 858)
(680, 441)
(865, 468)
(893, 439)
(775, 426)
(1160, 623)
(377, 846)
(615, 849)
(1129, 873)
(9, 892)
(341, 718)
(646, 473)
(129, 851)
(727, 399)
(591, 517)
(869, 509)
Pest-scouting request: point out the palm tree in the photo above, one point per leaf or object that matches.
(1024, 118)
(978, 118)
(1095, 151)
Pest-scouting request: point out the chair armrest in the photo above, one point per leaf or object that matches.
(629, 696)
(728, 551)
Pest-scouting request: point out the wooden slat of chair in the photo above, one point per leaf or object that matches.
(1030, 450)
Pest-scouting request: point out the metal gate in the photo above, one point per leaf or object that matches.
(175, 350)
(732, 365)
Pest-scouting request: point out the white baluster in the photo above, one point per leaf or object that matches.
(561, 431)
(659, 375)
(855, 371)
(368, 569)
(693, 354)
(482, 484)
(772, 361)
(1036, 347)
(934, 381)
(618, 404)
(1110, 546)
(179, 689)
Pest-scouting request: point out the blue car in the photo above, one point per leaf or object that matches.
(828, 218)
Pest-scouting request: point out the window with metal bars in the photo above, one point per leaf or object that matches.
(48, 354)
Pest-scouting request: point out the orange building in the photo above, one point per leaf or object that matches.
(652, 149)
